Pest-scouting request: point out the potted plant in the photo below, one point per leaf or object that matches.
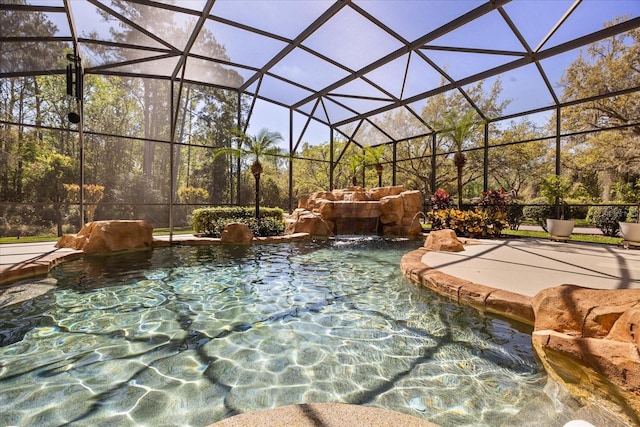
(555, 189)
(630, 230)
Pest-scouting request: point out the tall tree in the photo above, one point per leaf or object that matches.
(518, 167)
(604, 67)
(257, 148)
(19, 97)
(458, 126)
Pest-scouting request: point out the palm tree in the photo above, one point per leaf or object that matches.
(256, 147)
(458, 127)
(355, 164)
(375, 155)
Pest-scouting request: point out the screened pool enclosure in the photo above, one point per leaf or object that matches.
(112, 109)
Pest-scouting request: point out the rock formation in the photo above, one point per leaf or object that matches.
(236, 233)
(443, 240)
(589, 340)
(110, 236)
(390, 211)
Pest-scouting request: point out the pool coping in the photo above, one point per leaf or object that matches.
(501, 302)
(43, 263)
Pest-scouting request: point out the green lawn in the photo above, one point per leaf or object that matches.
(589, 238)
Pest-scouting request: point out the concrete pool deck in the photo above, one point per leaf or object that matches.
(527, 266)
(512, 269)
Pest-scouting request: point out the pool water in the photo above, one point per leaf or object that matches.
(192, 335)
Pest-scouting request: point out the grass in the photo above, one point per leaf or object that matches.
(575, 237)
(588, 238)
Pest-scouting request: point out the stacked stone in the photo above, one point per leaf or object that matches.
(391, 210)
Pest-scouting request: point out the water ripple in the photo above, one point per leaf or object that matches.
(192, 335)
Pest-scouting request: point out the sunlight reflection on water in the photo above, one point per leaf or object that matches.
(196, 334)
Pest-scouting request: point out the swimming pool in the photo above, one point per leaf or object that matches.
(192, 335)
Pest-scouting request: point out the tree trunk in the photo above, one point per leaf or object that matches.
(379, 171)
(460, 187)
(147, 162)
(459, 160)
(257, 177)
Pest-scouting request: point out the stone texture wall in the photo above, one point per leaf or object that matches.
(110, 236)
(589, 339)
(390, 211)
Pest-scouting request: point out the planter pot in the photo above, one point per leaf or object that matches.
(630, 232)
(560, 229)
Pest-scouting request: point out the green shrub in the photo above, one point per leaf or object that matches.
(538, 210)
(606, 218)
(632, 215)
(515, 214)
(211, 221)
(576, 212)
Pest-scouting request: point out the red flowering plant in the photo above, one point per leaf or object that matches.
(494, 201)
(440, 199)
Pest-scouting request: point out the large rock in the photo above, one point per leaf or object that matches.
(356, 211)
(313, 224)
(354, 196)
(588, 339)
(391, 211)
(314, 199)
(380, 192)
(588, 312)
(237, 233)
(325, 208)
(411, 202)
(444, 241)
(110, 236)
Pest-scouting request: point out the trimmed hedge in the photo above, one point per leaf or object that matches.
(538, 211)
(606, 218)
(211, 221)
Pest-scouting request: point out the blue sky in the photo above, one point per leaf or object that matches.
(354, 42)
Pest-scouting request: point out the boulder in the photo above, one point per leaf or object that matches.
(391, 211)
(355, 210)
(314, 199)
(325, 208)
(303, 201)
(340, 193)
(378, 193)
(589, 340)
(444, 241)
(312, 224)
(588, 312)
(236, 233)
(411, 202)
(110, 236)
(356, 196)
